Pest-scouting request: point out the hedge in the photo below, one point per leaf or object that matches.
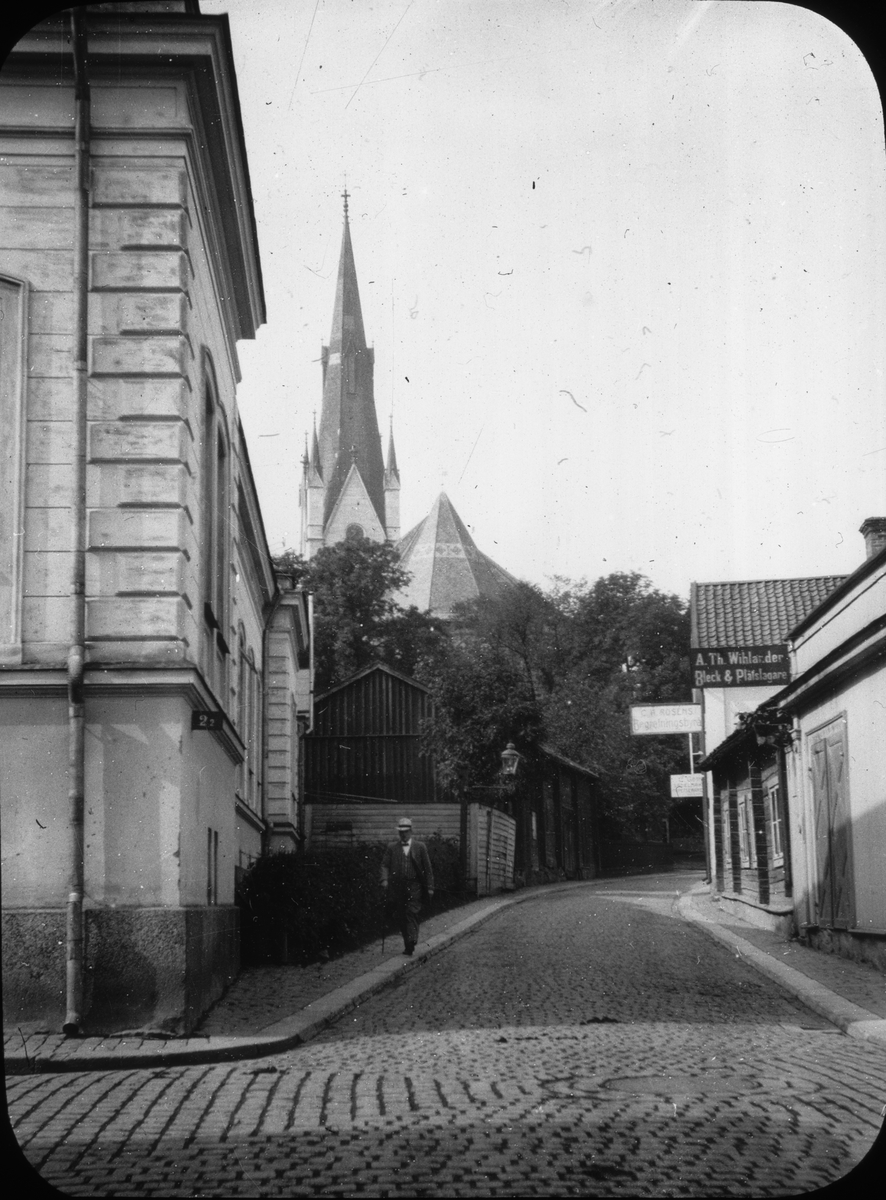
(303, 908)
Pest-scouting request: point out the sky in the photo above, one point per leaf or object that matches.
(623, 264)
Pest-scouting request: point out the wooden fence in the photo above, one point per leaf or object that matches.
(491, 837)
(490, 840)
(328, 825)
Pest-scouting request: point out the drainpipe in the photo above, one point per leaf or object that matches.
(76, 653)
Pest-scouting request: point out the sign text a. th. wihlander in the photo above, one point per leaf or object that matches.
(740, 666)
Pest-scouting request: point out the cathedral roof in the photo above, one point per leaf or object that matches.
(445, 565)
(348, 425)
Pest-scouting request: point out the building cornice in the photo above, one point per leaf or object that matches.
(249, 815)
(187, 684)
(198, 50)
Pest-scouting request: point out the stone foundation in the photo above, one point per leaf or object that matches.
(154, 968)
(865, 948)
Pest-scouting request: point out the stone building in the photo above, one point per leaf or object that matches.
(154, 672)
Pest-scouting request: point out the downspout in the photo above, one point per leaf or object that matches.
(76, 654)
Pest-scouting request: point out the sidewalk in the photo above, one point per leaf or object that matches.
(272, 1009)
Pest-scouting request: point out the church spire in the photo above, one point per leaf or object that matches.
(349, 437)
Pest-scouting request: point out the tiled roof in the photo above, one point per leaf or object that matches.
(756, 612)
(445, 565)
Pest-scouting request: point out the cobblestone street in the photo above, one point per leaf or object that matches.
(588, 1042)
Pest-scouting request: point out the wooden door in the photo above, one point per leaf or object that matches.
(833, 840)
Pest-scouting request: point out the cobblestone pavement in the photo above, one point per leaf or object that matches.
(581, 1043)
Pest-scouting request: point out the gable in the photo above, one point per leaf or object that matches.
(353, 507)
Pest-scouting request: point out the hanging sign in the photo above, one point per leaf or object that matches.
(740, 666)
(686, 785)
(665, 718)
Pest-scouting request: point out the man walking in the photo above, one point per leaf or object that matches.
(408, 880)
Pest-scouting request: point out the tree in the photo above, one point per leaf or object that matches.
(356, 619)
(566, 665)
(481, 701)
(521, 623)
(627, 644)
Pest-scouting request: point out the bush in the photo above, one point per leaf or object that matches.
(300, 909)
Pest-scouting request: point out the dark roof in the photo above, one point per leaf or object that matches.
(364, 671)
(755, 612)
(445, 564)
(550, 752)
(723, 750)
(348, 423)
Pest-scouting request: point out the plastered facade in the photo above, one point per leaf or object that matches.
(180, 590)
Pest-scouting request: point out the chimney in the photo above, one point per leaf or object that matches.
(874, 533)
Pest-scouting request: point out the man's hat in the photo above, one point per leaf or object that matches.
(404, 823)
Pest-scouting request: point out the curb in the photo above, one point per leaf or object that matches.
(304, 1025)
(851, 1018)
(280, 1036)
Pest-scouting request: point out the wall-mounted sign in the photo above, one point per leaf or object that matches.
(686, 785)
(207, 718)
(740, 666)
(665, 718)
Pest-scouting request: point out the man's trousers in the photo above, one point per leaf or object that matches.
(405, 905)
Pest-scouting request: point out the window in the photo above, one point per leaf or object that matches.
(746, 842)
(774, 823)
(249, 724)
(211, 866)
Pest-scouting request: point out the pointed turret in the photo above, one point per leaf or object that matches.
(391, 471)
(349, 434)
(314, 467)
(311, 498)
(392, 491)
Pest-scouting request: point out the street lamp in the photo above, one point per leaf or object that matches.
(510, 760)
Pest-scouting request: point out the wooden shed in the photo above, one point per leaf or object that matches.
(366, 742)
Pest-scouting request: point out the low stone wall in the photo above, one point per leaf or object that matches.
(865, 948)
(154, 968)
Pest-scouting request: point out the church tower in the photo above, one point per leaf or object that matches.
(346, 488)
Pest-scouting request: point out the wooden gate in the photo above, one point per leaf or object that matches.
(833, 849)
(490, 858)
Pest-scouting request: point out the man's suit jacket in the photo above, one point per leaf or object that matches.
(393, 865)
